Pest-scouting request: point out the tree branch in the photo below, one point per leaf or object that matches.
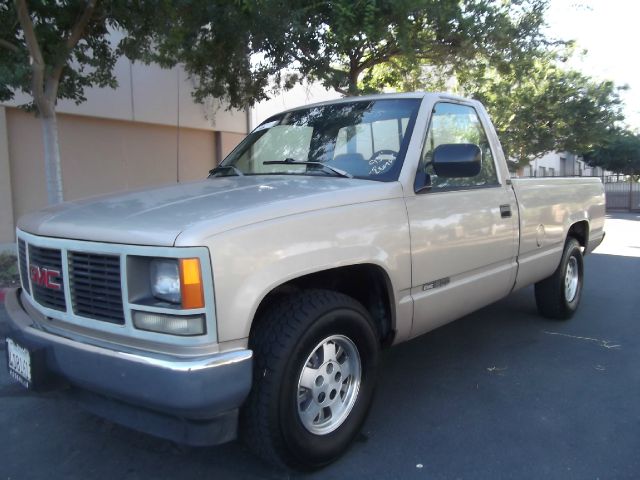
(29, 33)
(51, 87)
(78, 29)
(380, 58)
(9, 46)
(37, 65)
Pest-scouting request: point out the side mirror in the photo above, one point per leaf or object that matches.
(455, 160)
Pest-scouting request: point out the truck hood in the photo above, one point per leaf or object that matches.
(194, 211)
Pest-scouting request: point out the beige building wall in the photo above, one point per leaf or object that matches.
(148, 131)
(6, 195)
(98, 156)
(229, 141)
(151, 94)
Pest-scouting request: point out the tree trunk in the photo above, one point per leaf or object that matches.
(353, 74)
(353, 82)
(53, 171)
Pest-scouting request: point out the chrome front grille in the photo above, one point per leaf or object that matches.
(22, 262)
(94, 282)
(47, 282)
(81, 284)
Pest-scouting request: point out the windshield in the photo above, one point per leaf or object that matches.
(362, 139)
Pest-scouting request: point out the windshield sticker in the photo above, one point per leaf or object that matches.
(264, 126)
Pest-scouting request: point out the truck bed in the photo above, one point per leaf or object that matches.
(547, 208)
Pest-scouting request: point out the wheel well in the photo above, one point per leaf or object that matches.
(367, 283)
(580, 231)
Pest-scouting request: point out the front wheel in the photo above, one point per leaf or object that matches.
(558, 296)
(315, 364)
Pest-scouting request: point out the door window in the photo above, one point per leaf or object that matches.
(453, 123)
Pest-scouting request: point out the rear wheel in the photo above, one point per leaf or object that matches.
(558, 296)
(315, 363)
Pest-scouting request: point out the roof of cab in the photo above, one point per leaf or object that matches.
(380, 96)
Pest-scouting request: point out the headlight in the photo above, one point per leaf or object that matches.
(165, 280)
(177, 281)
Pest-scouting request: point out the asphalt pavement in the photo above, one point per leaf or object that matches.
(501, 393)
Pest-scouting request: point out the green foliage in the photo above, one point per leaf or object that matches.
(494, 52)
(9, 276)
(355, 37)
(340, 41)
(536, 105)
(213, 39)
(404, 74)
(235, 49)
(232, 48)
(71, 67)
(619, 152)
(539, 107)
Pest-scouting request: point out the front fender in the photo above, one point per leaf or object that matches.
(249, 262)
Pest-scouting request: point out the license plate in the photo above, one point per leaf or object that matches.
(19, 363)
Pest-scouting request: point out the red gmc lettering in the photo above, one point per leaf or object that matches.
(45, 277)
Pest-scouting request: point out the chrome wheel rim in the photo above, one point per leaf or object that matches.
(328, 384)
(571, 279)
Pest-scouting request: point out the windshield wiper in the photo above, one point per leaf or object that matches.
(291, 161)
(220, 168)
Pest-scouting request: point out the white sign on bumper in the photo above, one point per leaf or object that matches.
(19, 363)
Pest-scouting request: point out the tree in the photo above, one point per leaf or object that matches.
(619, 152)
(536, 105)
(541, 107)
(234, 50)
(339, 42)
(55, 50)
(404, 74)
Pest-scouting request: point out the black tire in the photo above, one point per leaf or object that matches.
(551, 294)
(285, 336)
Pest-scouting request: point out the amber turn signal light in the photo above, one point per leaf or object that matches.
(191, 283)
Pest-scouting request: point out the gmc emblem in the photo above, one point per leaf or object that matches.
(45, 277)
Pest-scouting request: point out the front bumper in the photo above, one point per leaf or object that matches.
(189, 400)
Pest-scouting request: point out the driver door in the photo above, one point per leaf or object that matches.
(464, 231)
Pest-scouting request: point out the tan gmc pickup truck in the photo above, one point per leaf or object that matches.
(255, 302)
